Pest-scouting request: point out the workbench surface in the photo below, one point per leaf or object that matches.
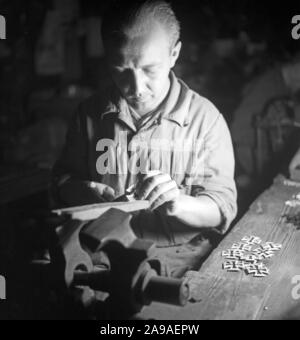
(219, 294)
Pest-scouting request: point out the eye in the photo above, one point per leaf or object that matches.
(151, 70)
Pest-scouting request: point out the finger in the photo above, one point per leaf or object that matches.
(142, 177)
(142, 180)
(150, 173)
(164, 198)
(100, 187)
(150, 183)
(109, 194)
(103, 190)
(160, 190)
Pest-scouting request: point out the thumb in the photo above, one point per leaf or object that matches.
(109, 193)
(104, 191)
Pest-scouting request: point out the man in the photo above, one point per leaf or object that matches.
(150, 112)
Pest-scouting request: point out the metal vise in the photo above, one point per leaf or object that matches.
(129, 273)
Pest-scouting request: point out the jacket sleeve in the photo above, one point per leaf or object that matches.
(216, 171)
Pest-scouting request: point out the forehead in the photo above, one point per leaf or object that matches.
(148, 46)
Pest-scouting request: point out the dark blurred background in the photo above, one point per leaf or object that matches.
(239, 54)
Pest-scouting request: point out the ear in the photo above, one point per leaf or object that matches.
(175, 53)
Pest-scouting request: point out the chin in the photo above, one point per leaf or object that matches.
(143, 106)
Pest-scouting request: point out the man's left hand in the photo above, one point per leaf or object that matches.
(160, 190)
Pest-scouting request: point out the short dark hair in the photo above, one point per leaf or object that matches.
(123, 18)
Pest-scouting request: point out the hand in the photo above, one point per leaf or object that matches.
(104, 191)
(294, 166)
(75, 192)
(160, 190)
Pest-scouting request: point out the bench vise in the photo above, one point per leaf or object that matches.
(103, 257)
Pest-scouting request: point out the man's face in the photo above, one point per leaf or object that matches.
(140, 68)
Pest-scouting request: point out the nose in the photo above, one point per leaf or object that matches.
(136, 84)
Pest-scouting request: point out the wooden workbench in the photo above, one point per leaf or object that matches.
(222, 295)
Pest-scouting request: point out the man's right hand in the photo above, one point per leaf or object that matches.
(103, 191)
(75, 192)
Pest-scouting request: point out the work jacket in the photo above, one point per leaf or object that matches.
(186, 137)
